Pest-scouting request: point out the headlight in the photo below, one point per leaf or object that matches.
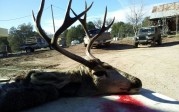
(135, 38)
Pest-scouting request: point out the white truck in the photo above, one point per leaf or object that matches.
(33, 43)
(104, 40)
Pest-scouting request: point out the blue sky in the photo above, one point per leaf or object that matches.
(16, 12)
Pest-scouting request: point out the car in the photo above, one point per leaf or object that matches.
(75, 42)
(148, 35)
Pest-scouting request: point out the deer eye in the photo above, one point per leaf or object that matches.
(100, 73)
(107, 66)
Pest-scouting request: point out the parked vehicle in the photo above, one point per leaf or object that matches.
(75, 42)
(104, 39)
(33, 43)
(148, 35)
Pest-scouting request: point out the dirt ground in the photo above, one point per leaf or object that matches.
(157, 67)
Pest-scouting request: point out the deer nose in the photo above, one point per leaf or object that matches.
(136, 85)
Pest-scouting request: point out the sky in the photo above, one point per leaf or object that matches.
(16, 12)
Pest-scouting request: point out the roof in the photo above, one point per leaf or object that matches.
(165, 10)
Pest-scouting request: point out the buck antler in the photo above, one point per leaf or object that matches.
(67, 22)
(94, 77)
(92, 39)
(102, 77)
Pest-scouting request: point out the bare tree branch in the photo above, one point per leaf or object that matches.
(136, 15)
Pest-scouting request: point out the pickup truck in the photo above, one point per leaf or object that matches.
(33, 43)
(104, 39)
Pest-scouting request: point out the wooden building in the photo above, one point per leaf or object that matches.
(166, 16)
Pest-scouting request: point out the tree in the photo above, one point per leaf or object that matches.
(64, 34)
(99, 22)
(77, 32)
(128, 30)
(71, 35)
(3, 42)
(117, 29)
(63, 38)
(17, 36)
(121, 29)
(136, 15)
(146, 21)
(90, 25)
(80, 33)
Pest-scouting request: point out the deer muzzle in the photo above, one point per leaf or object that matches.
(136, 85)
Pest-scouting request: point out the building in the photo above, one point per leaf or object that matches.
(166, 16)
(3, 32)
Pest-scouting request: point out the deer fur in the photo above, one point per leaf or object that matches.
(92, 77)
(42, 87)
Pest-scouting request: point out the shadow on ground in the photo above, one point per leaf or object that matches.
(116, 46)
(168, 44)
(151, 95)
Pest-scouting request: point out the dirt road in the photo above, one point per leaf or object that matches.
(157, 67)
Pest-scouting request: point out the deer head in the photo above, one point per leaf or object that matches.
(105, 78)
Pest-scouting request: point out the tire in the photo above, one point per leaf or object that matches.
(135, 45)
(107, 44)
(153, 44)
(28, 50)
(50, 47)
(159, 41)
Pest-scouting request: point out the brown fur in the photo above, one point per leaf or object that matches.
(92, 77)
(102, 79)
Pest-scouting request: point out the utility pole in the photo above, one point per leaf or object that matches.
(53, 19)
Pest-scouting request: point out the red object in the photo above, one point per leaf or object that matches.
(125, 103)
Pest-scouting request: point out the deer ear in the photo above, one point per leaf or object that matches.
(100, 74)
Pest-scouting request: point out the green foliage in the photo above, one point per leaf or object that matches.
(17, 36)
(146, 21)
(80, 33)
(90, 25)
(64, 34)
(75, 33)
(121, 29)
(71, 35)
(3, 42)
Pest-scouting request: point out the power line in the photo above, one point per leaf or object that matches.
(20, 17)
(58, 7)
(16, 18)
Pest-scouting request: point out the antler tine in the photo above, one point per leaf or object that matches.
(67, 22)
(103, 29)
(83, 22)
(38, 20)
